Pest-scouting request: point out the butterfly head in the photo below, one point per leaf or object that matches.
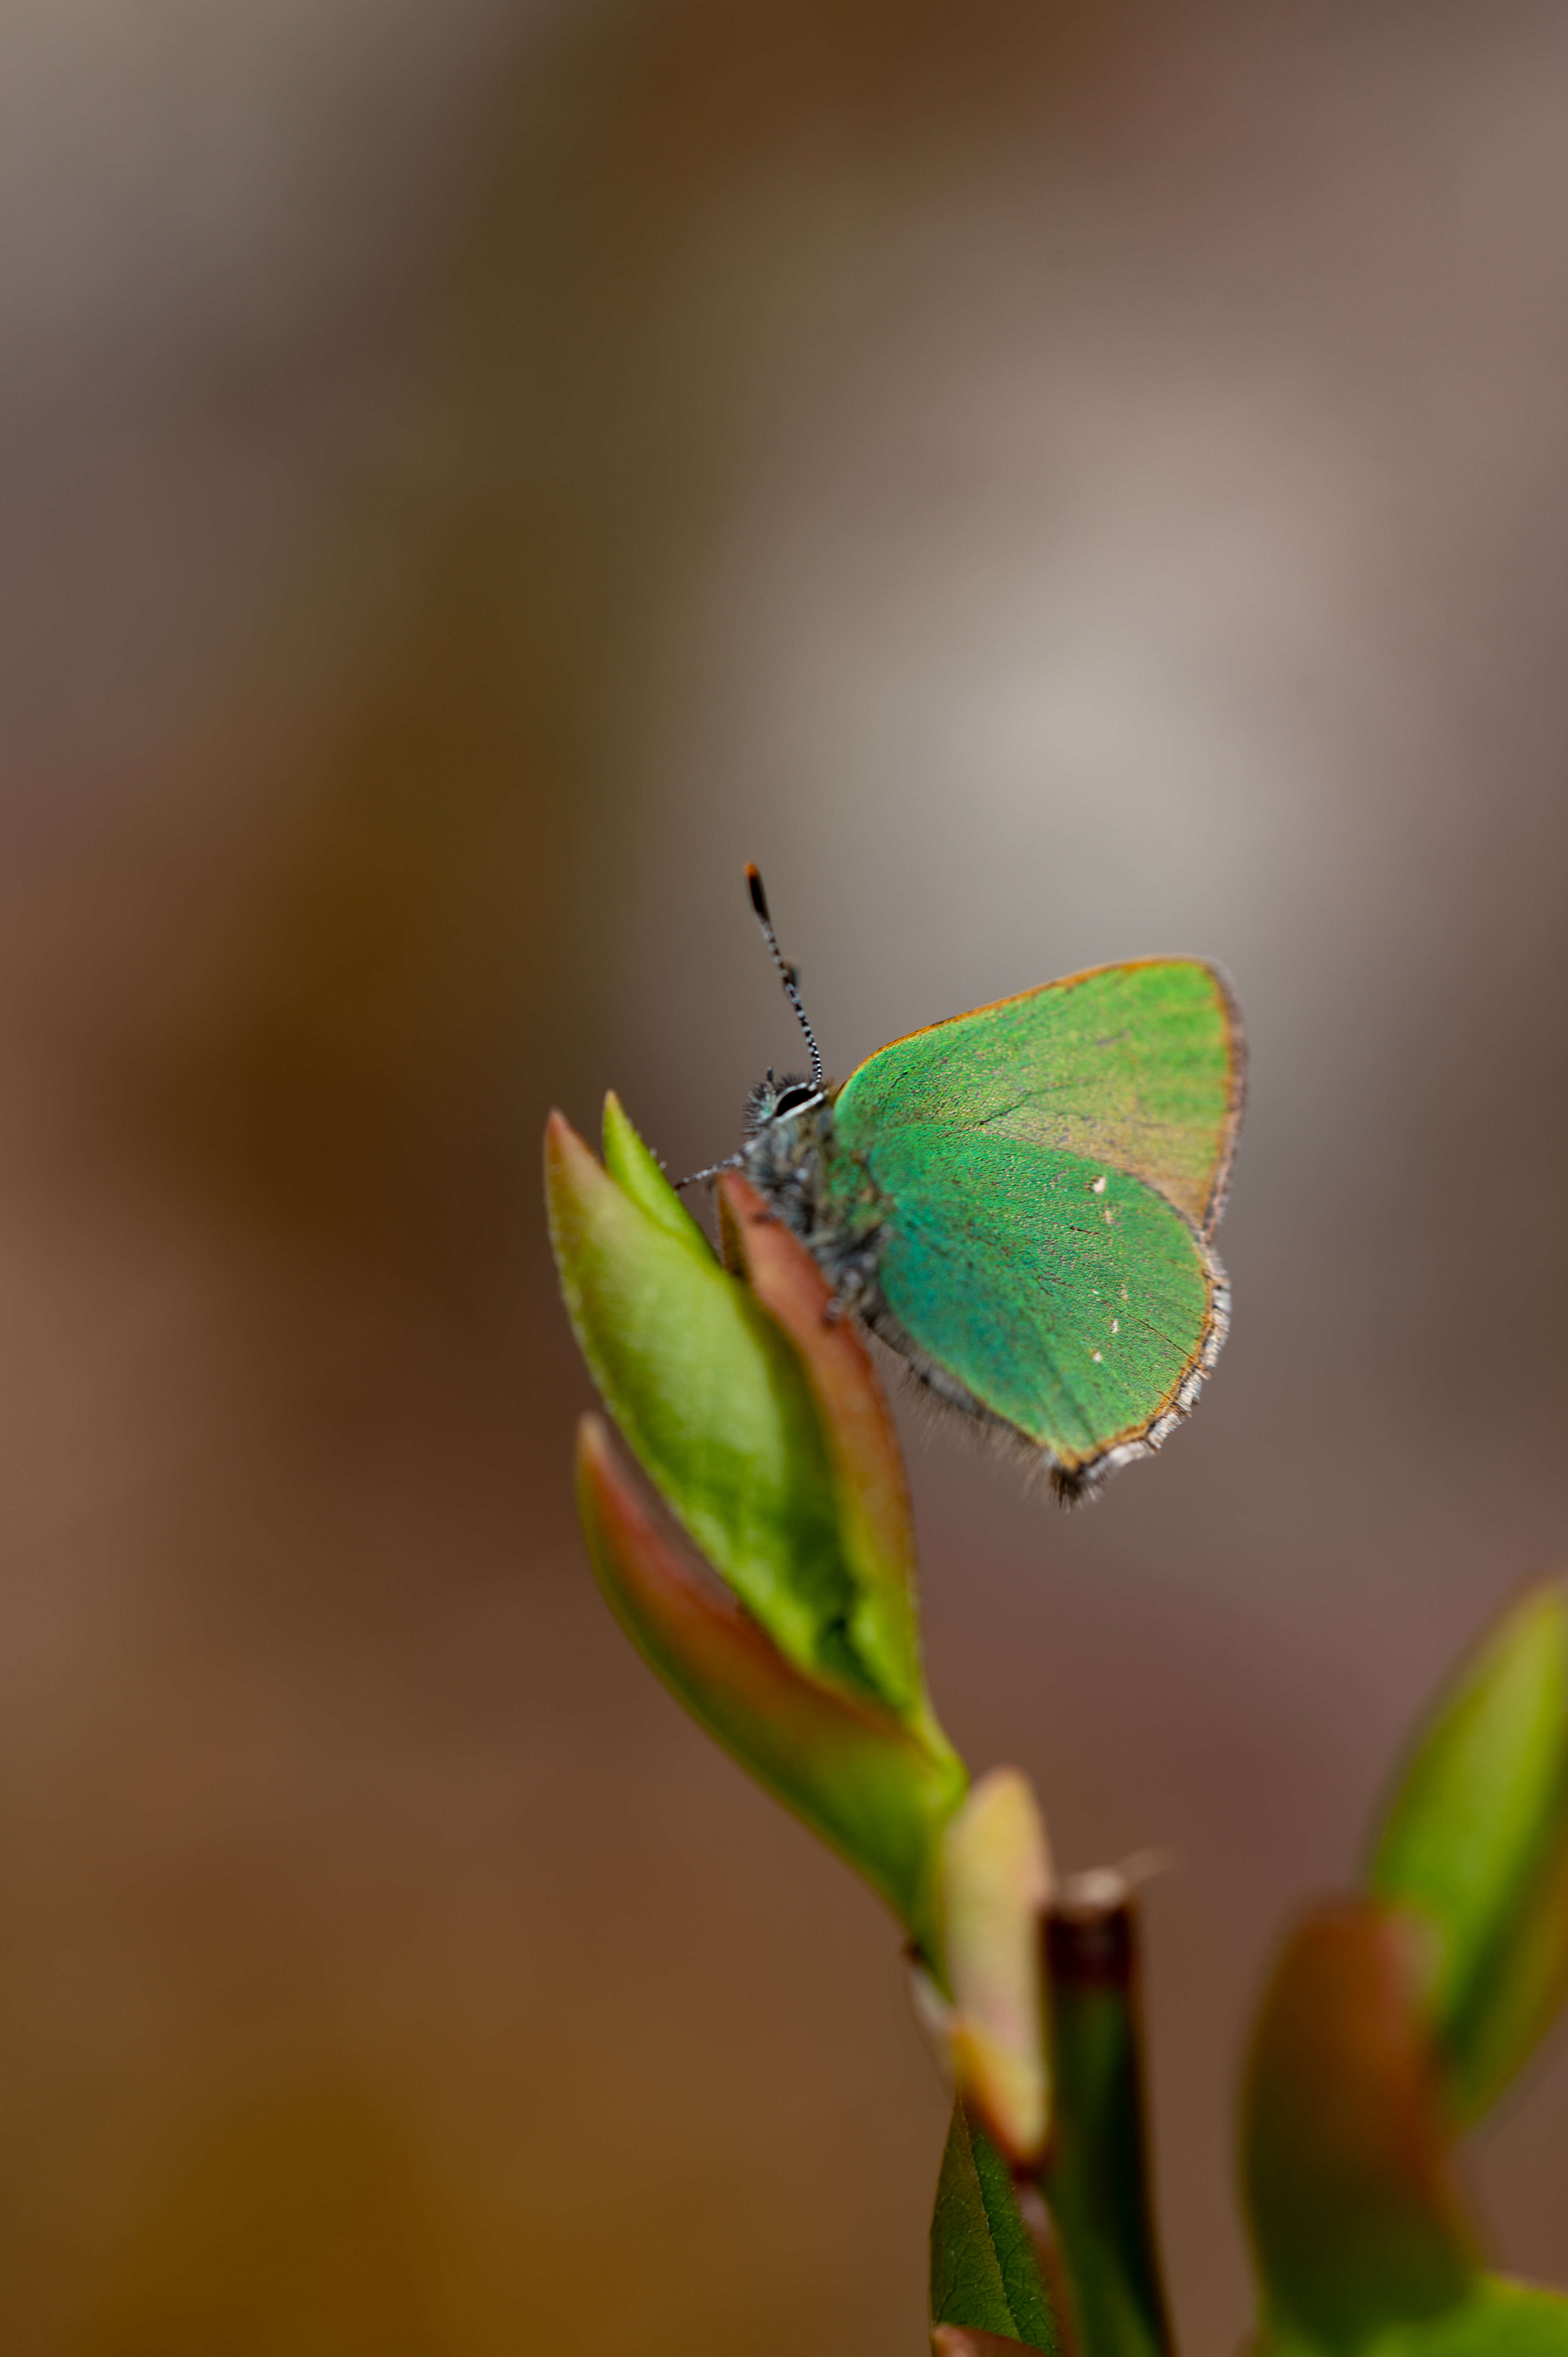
(782, 1100)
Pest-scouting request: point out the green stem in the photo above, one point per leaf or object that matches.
(1095, 2177)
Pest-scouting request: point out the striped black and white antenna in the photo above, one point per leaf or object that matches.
(786, 971)
(791, 988)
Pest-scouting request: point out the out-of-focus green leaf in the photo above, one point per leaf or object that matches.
(1496, 2318)
(984, 2273)
(712, 1399)
(866, 1783)
(1523, 1996)
(1500, 2319)
(1354, 2222)
(1096, 2174)
(995, 1882)
(1475, 1843)
(876, 1526)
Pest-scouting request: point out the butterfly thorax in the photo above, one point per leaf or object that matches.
(810, 1181)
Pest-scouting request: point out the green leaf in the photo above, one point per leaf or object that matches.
(636, 1173)
(712, 1401)
(1523, 1995)
(791, 1630)
(1496, 2318)
(1096, 2174)
(984, 2273)
(1354, 2222)
(1476, 1844)
(1500, 2319)
(866, 1783)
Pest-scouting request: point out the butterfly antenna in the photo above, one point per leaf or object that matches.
(786, 972)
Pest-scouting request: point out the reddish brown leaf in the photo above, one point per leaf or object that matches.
(783, 1274)
(865, 1782)
(1353, 2217)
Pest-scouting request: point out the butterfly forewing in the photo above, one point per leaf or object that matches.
(1135, 1066)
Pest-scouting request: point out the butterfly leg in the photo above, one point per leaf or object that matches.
(847, 1299)
(854, 1279)
(731, 1162)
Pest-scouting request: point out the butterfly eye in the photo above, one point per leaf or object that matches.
(796, 1099)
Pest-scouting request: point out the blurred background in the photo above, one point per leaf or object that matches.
(1049, 484)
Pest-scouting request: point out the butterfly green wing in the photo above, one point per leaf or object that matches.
(1050, 1170)
(1138, 1067)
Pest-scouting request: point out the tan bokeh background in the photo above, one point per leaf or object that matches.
(1051, 484)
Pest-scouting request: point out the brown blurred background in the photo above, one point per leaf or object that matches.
(1051, 484)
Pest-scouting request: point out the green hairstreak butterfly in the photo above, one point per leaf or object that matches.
(1021, 1200)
